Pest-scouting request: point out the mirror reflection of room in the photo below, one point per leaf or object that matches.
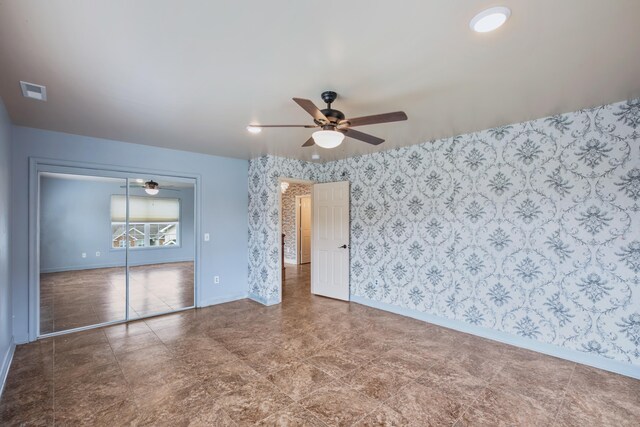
(161, 242)
(86, 246)
(82, 281)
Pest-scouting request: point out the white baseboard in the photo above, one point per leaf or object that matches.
(221, 300)
(290, 261)
(610, 365)
(6, 364)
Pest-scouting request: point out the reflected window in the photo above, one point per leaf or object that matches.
(153, 222)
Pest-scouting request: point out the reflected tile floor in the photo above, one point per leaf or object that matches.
(71, 299)
(310, 361)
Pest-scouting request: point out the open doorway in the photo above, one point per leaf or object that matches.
(295, 220)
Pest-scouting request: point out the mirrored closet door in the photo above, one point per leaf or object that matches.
(161, 245)
(113, 248)
(82, 280)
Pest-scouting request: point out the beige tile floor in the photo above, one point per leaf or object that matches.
(72, 299)
(310, 361)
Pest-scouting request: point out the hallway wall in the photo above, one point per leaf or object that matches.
(289, 219)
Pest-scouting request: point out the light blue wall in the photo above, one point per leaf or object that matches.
(223, 209)
(5, 234)
(75, 217)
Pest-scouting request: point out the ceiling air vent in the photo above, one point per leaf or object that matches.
(34, 91)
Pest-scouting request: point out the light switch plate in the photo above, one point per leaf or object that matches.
(207, 237)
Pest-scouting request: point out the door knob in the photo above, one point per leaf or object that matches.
(343, 247)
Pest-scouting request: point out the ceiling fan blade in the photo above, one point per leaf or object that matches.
(310, 108)
(286, 126)
(309, 142)
(369, 139)
(377, 118)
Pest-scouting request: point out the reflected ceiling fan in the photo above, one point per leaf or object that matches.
(334, 126)
(150, 187)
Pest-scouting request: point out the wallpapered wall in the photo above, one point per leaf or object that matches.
(289, 218)
(532, 229)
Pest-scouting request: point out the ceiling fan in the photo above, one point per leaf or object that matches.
(150, 187)
(334, 126)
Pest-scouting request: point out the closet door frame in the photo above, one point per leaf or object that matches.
(38, 165)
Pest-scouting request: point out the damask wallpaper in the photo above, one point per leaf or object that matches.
(289, 218)
(532, 229)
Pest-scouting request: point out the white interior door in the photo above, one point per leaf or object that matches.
(305, 229)
(330, 250)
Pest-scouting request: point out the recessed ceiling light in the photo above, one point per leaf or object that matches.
(33, 91)
(315, 156)
(490, 19)
(140, 180)
(254, 129)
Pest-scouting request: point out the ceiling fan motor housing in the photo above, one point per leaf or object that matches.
(329, 96)
(334, 116)
(151, 184)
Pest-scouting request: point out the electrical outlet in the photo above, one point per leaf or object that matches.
(207, 237)
(216, 279)
(98, 253)
(84, 254)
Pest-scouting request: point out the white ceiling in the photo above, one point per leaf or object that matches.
(191, 75)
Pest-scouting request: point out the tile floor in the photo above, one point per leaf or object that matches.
(72, 299)
(310, 361)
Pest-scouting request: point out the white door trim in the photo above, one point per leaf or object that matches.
(298, 257)
(298, 205)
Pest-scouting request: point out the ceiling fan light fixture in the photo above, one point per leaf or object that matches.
(334, 124)
(151, 188)
(328, 138)
(490, 19)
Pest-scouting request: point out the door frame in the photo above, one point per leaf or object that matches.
(298, 223)
(41, 164)
(280, 257)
